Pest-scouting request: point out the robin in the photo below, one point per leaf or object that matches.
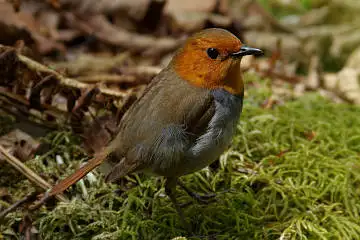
(184, 119)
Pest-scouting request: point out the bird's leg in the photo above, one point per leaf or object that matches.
(170, 190)
(205, 199)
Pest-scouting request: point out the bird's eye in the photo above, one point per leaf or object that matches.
(212, 53)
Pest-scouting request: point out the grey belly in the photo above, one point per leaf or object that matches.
(203, 152)
(176, 156)
(209, 147)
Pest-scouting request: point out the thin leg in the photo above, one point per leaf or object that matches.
(200, 198)
(170, 189)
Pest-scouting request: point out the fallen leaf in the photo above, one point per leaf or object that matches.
(19, 144)
(23, 26)
(192, 15)
(310, 135)
(280, 154)
(135, 9)
(86, 64)
(100, 27)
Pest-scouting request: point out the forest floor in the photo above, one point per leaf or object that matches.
(70, 69)
(292, 172)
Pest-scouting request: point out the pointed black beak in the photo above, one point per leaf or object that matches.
(244, 50)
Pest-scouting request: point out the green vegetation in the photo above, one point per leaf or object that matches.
(281, 8)
(292, 172)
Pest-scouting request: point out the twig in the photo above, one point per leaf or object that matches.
(100, 27)
(68, 82)
(23, 101)
(112, 78)
(28, 198)
(141, 70)
(30, 174)
(22, 112)
(46, 197)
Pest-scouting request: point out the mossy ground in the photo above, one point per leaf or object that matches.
(293, 172)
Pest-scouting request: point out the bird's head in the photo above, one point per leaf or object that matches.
(211, 59)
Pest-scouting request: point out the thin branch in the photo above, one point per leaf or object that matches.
(108, 78)
(30, 174)
(28, 198)
(68, 82)
(23, 101)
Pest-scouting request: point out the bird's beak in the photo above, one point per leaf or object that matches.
(245, 50)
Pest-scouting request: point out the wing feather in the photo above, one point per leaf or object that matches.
(162, 125)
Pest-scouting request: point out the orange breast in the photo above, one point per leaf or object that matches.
(234, 83)
(205, 74)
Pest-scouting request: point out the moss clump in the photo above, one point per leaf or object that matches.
(292, 173)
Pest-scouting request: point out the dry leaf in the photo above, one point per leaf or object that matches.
(22, 26)
(86, 64)
(174, 6)
(192, 15)
(136, 9)
(19, 144)
(105, 31)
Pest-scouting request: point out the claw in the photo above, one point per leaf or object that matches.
(203, 199)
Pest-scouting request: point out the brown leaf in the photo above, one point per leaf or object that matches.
(281, 153)
(99, 26)
(86, 64)
(4, 193)
(193, 15)
(23, 26)
(269, 103)
(35, 96)
(135, 9)
(82, 106)
(310, 135)
(19, 144)
(99, 134)
(206, 6)
(16, 4)
(8, 61)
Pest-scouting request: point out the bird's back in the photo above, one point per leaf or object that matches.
(162, 124)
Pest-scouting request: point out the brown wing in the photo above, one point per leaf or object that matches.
(198, 120)
(169, 108)
(165, 102)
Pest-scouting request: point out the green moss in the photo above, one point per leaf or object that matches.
(280, 8)
(292, 172)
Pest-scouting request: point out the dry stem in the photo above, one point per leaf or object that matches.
(28, 173)
(33, 65)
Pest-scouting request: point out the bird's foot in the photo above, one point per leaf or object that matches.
(203, 199)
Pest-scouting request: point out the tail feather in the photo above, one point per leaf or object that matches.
(79, 174)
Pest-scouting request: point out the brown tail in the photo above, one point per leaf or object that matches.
(79, 174)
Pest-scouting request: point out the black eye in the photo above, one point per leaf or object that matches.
(212, 53)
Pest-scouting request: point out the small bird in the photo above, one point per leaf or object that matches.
(184, 119)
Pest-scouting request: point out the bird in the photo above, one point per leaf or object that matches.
(185, 118)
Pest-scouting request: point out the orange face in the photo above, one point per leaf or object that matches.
(211, 59)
